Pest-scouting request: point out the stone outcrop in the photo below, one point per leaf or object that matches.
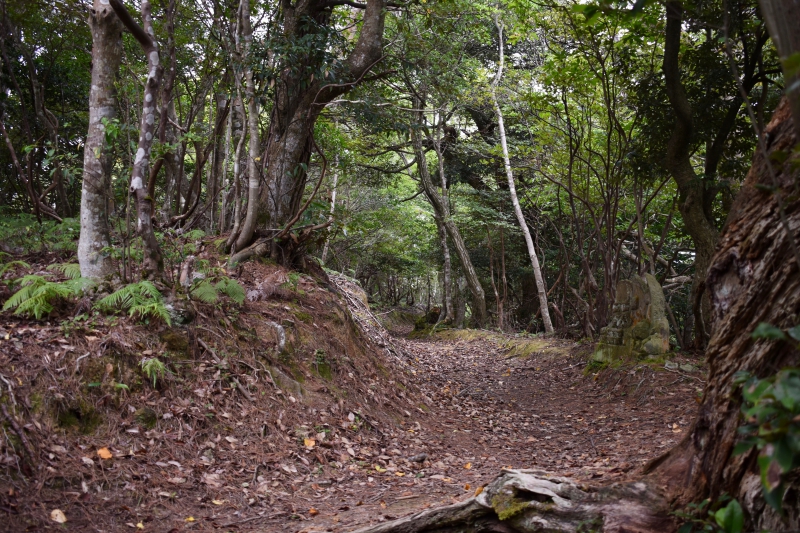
(638, 325)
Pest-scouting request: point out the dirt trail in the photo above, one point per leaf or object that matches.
(491, 409)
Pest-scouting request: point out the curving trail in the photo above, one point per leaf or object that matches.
(491, 409)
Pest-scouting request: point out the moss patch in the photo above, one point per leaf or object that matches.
(507, 506)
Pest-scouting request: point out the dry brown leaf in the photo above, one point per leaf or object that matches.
(309, 443)
(468, 466)
(57, 515)
(104, 453)
(313, 512)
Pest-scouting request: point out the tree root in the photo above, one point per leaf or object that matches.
(527, 501)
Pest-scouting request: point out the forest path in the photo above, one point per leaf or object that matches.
(491, 409)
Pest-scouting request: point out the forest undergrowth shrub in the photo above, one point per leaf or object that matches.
(37, 295)
(139, 299)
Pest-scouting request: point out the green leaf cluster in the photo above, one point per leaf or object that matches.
(771, 410)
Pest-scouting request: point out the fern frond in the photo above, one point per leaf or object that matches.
(78, 285)
(29, 284)
(232, 289)
(153, 310)
(147, 289)
(37, 306)
(205, 292)
(195, 234)
(70, 270)
(8, 266)
(116, 301)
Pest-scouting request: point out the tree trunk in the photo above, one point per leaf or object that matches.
(692, 192)
(153, 263)
(442, 212)
(249, 226)
(512, 189)
(299, 99)
(335, 183)
(106, 58)
(447, 283)
(753, 278)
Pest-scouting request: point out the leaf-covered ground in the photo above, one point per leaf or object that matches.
(334, 433)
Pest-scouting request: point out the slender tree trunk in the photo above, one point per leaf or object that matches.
(216, 175)
(703, 232)
(153, 263)
(95, 188)
(333, 208)
(253, 158)
(512, 189)
(447, 284)
(442, 211)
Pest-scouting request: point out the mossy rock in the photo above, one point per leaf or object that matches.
(507, 506)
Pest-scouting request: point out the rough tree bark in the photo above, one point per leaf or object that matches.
(753, 266)
(153, 263)
(106, 58)
(512, 189)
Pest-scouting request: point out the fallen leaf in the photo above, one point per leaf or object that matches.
(104, 453)
(190, 519)
(383, 504)
(57, 515)
(379, 469)
(399, 474)
(466, 487)
(313, 512)
(139, 525)
(310, 443)
(478, 490)
(468, 466)
(87, 461)
(218, 502)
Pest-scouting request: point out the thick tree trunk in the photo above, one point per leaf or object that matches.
(512, 189)
(299, 101)
(95, 189)
(753, 278)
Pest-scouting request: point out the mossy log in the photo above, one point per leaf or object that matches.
(527, 501)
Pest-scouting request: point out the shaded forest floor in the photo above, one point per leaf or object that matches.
(339, 435)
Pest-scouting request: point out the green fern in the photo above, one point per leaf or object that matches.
(205, 292)
(69, 270)
(141, 299)
(37, 295)
(195, 234)
(232, 289)
(8, 266)
(153, 369)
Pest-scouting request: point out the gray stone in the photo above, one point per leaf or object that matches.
(688, 368)
(638, 325)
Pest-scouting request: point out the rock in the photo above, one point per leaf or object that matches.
(688, 368)
(419, 458)
(638, 325)
(671, 365)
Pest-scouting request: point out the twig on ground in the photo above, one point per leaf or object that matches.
(26, 445)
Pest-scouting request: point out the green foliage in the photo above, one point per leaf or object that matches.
(232, 289)
(69, 270)
(5, 267)
(25, 234)
(208, 292)
(37, 295)
(142, 299)
(725, 514)
(153, 368)
(771, 411)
